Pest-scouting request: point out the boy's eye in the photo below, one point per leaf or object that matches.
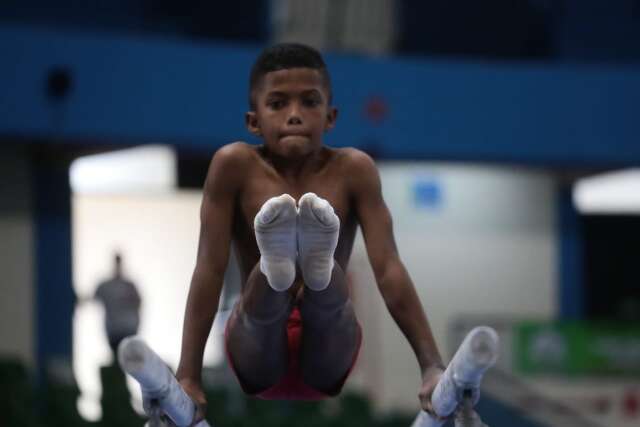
(311, 102)
(276, 104)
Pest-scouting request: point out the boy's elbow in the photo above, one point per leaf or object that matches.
(391, 282)
(207, 274)
(393, 299)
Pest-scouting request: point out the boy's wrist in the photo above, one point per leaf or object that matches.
(189, 380)
(185, 374)
(431, 366)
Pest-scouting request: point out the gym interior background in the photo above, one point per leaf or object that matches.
(507, 137)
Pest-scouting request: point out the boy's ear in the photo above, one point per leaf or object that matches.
(251, 121)
(332, 116)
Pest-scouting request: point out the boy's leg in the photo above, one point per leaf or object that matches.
(331, 334)
(256, 334)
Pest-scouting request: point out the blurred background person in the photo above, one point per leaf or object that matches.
(121, 302)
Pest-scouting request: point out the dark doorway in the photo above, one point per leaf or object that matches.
(612, 267)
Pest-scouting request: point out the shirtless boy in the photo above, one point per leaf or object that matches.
(292, 206)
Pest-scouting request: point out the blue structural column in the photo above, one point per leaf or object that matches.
(571, 258)
(53, 273)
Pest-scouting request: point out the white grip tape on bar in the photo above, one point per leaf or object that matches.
(156, 381)
(477, 353)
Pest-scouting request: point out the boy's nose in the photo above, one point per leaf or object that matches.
(294, 118)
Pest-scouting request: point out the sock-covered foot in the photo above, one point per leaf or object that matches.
(275, 226)
(318, 229)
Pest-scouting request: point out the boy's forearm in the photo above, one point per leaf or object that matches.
(200, 312)
(404, 306)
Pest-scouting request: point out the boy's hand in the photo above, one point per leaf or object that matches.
(194, 390)
(430, 380)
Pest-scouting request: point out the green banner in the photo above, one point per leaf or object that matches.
(576, 348)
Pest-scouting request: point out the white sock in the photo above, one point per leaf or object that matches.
(318, 229)
(275, 226)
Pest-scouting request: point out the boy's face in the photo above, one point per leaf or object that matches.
(292, 111)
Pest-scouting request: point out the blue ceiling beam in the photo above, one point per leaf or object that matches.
(125, 90)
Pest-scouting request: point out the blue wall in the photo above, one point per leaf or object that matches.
(571, 284)
(55, 298)
(150, 90)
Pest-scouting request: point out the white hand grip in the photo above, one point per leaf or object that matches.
(424, 419)
(477, 353)
(156, 381)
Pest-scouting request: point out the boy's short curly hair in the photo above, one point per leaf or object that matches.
(284, 56)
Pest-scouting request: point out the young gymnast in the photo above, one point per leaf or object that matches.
(292, 206)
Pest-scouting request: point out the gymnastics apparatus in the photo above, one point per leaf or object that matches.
(455, 395)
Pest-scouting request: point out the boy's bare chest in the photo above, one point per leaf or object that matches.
(261, 187)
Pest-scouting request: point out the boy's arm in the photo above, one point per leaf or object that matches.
(394, 282)
(216, 219)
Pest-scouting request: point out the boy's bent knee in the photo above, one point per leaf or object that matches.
(256, 354)
(328, 317)
(326, 381)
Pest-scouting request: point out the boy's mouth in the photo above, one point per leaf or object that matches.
(293, 135)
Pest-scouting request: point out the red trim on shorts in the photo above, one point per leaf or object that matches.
(291, 386)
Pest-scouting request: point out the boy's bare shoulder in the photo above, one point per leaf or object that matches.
(230, 163)
(356, 163)
(235, 153)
